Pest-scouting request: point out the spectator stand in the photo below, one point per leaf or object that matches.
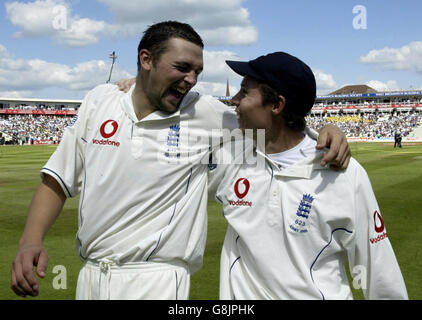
(363, 116)
(35, 121)
(367, 115)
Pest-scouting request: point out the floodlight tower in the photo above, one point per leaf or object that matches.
(112, 56)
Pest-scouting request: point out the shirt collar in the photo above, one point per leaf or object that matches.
(128, 107)
(302, 169)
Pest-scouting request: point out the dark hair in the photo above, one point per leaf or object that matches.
(270, 96)
(156, 36)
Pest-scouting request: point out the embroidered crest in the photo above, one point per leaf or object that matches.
(302, 214)
(173, 142)
(75, 118)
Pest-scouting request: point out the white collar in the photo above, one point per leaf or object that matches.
(128, 107)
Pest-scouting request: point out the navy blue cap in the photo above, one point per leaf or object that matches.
(286, 74)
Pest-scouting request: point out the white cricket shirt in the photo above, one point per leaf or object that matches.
(292, 231)
(142, 184)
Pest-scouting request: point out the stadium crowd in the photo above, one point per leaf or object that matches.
(27, 129)
(369, 125)
(42, 107)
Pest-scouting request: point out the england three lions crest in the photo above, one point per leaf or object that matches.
(302, 214)
(173, 142)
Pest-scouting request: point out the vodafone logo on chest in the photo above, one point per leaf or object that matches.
(109, 124)
(379, 228)
(107, 130)
(241, 189)
(245, 191)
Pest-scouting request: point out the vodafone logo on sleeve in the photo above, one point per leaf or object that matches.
(241, 189)
(378, 222)
(379, 228)
(107, 130)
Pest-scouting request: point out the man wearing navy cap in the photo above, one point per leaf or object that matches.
(294, 224)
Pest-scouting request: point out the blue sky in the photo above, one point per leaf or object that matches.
(59, 48)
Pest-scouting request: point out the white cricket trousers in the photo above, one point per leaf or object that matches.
(105, 280)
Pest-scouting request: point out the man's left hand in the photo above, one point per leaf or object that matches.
(339, 154)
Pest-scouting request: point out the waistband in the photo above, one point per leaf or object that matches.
(106, 265)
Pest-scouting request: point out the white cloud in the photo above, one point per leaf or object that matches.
(234, 26)
(82, 32)
(202, 12)
(54, 18)
(231, 35)
(216, 69)
(20, 77)
(3, 52)
(324, 81)
(390, 85)
(23, 78)
(35, 18)
(214, 88)
(213, 80)
(16, 94)
(408, 57)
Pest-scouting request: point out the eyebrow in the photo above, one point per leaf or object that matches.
(187, 64)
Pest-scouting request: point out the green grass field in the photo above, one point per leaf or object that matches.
(396, 176)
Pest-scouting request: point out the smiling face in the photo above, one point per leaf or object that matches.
(252, 113)
(170, 77)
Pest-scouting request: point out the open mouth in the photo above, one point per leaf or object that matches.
(178, 93)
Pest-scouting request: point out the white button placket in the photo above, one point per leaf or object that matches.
(274, 216)
(137, 140)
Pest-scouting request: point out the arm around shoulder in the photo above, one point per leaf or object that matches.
(339, 153)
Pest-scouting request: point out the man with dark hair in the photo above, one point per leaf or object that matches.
(156, 36)
(143, 182)
(293, 224)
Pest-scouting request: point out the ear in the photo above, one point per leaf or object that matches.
(278, 107)
(145, 59)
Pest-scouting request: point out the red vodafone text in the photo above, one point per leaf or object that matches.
(241, 195)
(107, 130)
(379, 228)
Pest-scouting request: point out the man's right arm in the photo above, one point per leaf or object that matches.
(45, 207)
(62, 177)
